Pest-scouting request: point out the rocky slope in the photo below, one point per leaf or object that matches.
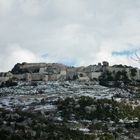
(51, 101)
(26, 93)
(68, 110)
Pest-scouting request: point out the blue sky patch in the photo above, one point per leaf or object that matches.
(125, 52)
(68, 62)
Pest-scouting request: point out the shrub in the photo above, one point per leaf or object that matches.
(133, 72)
(8, 83)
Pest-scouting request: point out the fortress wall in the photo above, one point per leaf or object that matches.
(37, 77)
(4, 79)
(19, 76)
(137, 77)
(95, 75)
(29, 65)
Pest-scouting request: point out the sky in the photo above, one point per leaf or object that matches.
(72, 32)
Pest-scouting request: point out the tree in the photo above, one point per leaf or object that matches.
(133, 72)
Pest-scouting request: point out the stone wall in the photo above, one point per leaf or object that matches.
(114, 70)
(30, 65)
(94, 75)
(27, 68)
(37, 77)
(54, 71)
(4, 79)
(5, 76)
(137, 77)
(19, 76)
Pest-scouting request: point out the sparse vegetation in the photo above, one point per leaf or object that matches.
(8, 83)
(63, 113)
(133, 72)
(30, 125)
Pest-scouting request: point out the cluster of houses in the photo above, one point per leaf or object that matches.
(55, 71)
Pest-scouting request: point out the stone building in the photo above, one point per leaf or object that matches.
(83, 76)
(5, 76)
(105, 63)
(55, 71)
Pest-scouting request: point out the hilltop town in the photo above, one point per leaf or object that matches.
(103, 73)
(54, 71)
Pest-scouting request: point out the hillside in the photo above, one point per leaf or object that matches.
(52, 101)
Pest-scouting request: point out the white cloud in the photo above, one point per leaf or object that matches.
(84, 31)
(33, 7)
(70, 8)
(15, 54)
(6, 6)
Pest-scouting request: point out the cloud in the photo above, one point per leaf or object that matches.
(5, 5)
(15, 54)
(33, 7)
(77, 31)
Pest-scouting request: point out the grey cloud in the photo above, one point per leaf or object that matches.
(86, 31)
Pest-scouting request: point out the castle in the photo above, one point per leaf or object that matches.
(55, 71)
